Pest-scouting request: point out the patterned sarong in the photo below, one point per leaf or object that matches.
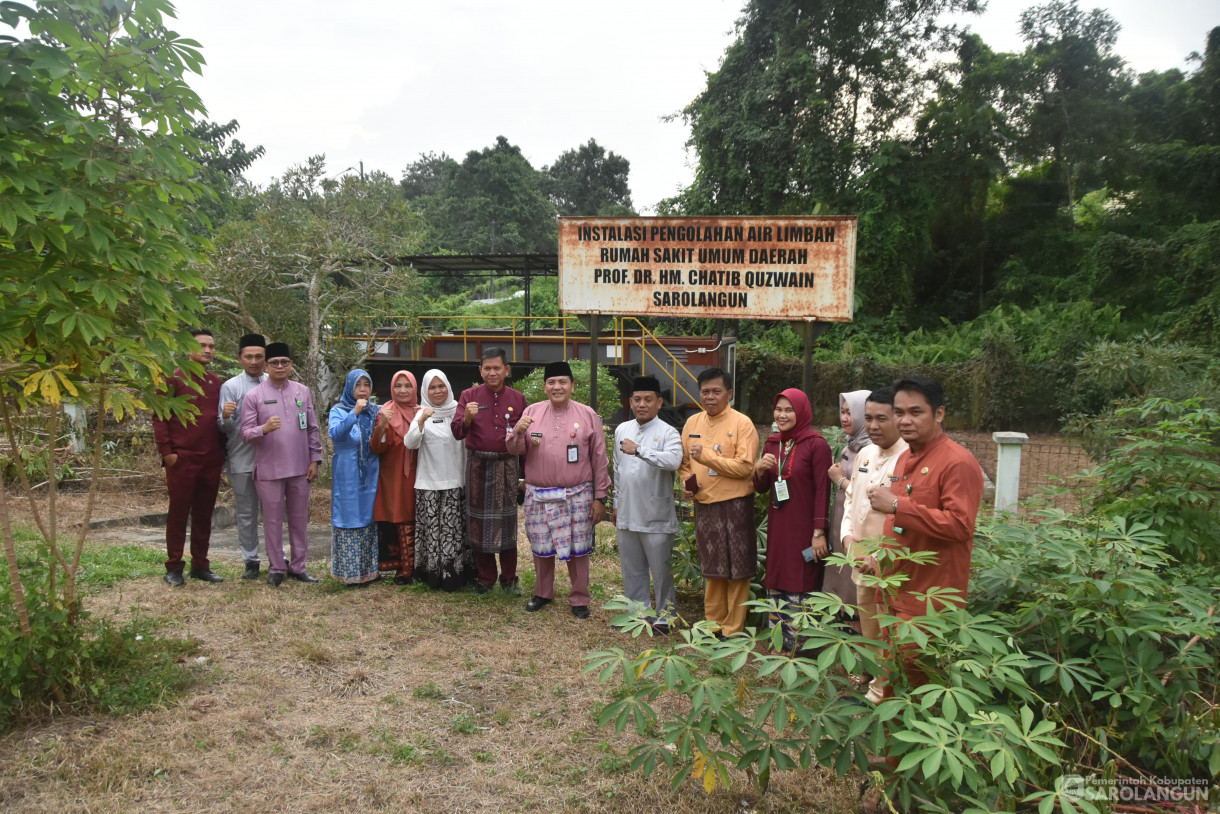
(353, 554)
(726, 538)
(491, 490)
(559, 520)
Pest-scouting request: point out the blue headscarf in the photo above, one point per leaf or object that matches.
(365, 421)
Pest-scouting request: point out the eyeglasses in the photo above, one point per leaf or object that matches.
(279, 362)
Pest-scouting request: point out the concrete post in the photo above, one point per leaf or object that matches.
(78, 426)
(1008, 468)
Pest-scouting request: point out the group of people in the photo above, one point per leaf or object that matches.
(428, 486)
(262, 426)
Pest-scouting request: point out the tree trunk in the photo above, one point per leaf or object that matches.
(14, 574)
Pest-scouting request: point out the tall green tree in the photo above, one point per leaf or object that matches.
(493, 201)
(805, 97)
(1077, 120)
(316, 253)
(590, 181)
(222, 169)
(99, 173)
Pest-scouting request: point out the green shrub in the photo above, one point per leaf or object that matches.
(82, 663)
(1079, 651)
(1165, 476)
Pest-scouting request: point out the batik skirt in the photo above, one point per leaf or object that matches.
(442, 557)
(727, 539)
(353, 554)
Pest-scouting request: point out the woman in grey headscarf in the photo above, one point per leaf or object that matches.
(837, 580)
(442, 557)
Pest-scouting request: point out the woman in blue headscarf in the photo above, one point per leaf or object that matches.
(354, 469)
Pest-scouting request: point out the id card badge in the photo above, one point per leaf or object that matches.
(301, 420)
(573, 453)
(781, 492)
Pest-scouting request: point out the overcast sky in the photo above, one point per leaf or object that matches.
(383, 81)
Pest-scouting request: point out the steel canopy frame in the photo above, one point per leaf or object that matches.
(484, 264)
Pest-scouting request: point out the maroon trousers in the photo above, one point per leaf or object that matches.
(192, 493)
(486, 563)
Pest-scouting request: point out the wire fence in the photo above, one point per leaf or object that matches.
(1042, 465)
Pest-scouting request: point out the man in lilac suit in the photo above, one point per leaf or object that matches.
(278, 420)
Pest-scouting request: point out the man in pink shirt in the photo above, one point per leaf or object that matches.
(277, 418)
(566, 483)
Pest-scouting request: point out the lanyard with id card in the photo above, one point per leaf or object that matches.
(301, 420)
(779, 492)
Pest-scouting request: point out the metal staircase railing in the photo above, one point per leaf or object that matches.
(622, 338)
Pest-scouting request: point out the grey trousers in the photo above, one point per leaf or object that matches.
(641, 553)
(245, 499)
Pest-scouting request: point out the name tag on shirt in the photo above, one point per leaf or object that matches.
(438, 421)
(573, 453)
(271, 401)
(301, 420)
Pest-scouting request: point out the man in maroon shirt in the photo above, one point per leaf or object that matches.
(193, 455)
(485, 415)
(931, 502)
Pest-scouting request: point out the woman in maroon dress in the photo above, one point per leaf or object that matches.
(793, 470)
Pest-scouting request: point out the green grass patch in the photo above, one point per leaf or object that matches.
(86, 664)
(133, 669)
(101, 564)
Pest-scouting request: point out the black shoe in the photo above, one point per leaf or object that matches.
(537, 603)
(302, 577)
(205, 575)
(480, 588)
(661, 628)
(174, 578)
(251, 572)
(511, 588)
(274, 580)
(402, 580)
(580, 611)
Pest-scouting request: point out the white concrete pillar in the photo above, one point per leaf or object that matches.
(78, 426)
(1008, 468)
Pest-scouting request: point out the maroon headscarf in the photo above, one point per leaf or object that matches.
(804, 417)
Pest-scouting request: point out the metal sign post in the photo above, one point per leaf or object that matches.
(595, 323)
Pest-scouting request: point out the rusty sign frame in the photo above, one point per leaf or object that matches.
(789, 268)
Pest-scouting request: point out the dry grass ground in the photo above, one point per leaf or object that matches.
(318, 698)
(321, 698)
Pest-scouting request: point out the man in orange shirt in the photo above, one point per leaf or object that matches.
(931, 502)
(719, 448)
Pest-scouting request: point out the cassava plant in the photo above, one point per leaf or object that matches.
(97, 169)
(1085, 647)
